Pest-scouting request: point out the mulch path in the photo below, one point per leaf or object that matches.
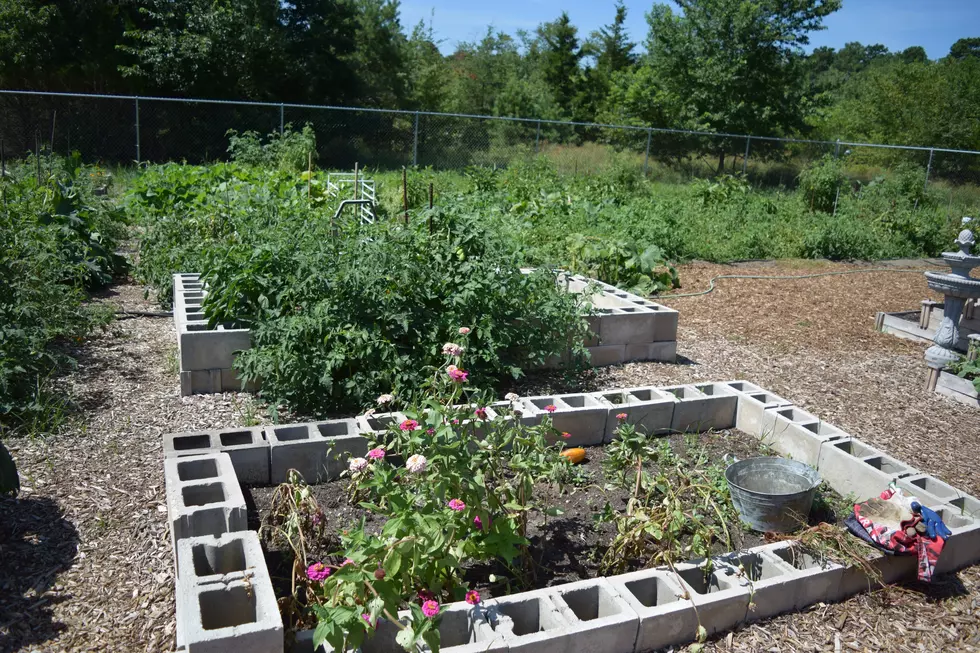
(85, 561)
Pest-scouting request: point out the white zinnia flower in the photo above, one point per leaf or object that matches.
(385, 399)
(416, 463)
(358, 464)
(452, 349)
(512, 396)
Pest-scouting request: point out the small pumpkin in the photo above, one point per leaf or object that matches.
(574, 455)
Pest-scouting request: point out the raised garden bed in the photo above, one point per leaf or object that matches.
(225, 588)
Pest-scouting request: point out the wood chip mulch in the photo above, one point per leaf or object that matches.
(85, 560)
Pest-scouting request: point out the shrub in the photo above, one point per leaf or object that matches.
(820, 182)
(289, 150)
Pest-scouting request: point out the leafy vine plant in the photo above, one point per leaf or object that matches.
(454, 481)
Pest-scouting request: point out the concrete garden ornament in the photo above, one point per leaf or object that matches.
(957, 286)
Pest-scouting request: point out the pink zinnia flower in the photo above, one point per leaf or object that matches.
(347, 561)
(481, 413)
(376, 454)
(430, 608)
(566, 435)
(430, 431)
(367, 617)
(408, 425)
(622, 417)
(473, 597)
(456, 374)
(426, 595)
(317, 571)
(464, 330)
(551, 408)
(457, 505)
(478, 523)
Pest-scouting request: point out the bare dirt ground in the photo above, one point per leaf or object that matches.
(85, 561)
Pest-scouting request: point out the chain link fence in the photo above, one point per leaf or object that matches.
(124, 130)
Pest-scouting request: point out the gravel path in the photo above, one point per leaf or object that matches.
(85, 561)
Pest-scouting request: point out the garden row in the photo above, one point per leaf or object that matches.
(226, 597)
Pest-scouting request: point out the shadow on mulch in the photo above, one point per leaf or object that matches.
(36, 544)
(941, 588)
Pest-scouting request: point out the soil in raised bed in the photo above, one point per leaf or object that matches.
(565, 548)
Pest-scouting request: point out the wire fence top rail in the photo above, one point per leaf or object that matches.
(539, 121)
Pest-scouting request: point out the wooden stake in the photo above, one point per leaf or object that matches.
(405, 192)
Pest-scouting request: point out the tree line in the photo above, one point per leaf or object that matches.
(732, 66)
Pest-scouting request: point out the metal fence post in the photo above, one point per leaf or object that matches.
(415, 144)
(928, 169)
(837, 149)
(745, 159)
(282, 119)
(537, 137)
(646, 158)
(137, 130)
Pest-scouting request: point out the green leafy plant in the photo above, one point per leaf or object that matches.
(623, 264)
(821, 182)
(289, 150)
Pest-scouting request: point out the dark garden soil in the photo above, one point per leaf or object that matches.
(566, 548)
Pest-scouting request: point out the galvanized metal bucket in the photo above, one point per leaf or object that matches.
(772, 494)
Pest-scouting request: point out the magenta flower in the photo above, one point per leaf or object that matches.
(376, 454)
(566, 435)
(478, 523)
(430, 608)
(430, 431)
(473, 597)
(622, 417)
(456, 374)
(426, 595)
(408, 425)
(367, 617)
(551, 408)
(481, 413)
(317, 571)
(457, 505)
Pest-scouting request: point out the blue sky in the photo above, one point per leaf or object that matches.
(898, 24)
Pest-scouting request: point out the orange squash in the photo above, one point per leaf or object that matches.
(575, 455)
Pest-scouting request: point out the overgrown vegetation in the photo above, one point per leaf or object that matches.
(58, 242)
(338, 310)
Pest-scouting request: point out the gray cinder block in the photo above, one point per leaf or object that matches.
(203, 496)
(604, 355)
(247, 448)
(664, 352)
(702, 407)
(240, 615)
(768, 581)
(580, 415)
(752, 403)
(840, 464)
(962, 548)
(627, 325)
(531, 623)
(794, 441)
(720, 600)
(222, 558)
(648, 409)
(926, 486)
(666, 615)
(298, 447)
(813, 579)
(378, 422)
(599, 619)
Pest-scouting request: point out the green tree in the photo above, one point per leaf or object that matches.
(611, 52)
(558, 56)
(963, 48)
(428, 71)
(733, 66)
(914, 54)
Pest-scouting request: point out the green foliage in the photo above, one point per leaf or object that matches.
(965, 368)
(57, 239)
(454, 484)
(289, 150)
(9, 481)
(821, 182)
(623, 264)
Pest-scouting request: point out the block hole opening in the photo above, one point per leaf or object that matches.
(577, 401)
(236, 438)
(202, 495)
(652, 591)
(457, 628)
(701, 583)
(952, 518)
(855, 448)
(226, 558)
(533, 615)
(799, 557)
(590, 603)
(227, 607)
(646, 394)
(756, 566)
(196, 470)
(334, 429)
(292, 433)
(197, 326)
(932, 486)
(684, 393)
(185, 442)
(616, 398)
(885, 464)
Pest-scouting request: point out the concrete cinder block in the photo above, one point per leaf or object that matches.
(469, 629)
(666, 617)
(531, 623)
(752, 404)
(720, 600)
(793, 441)
(378, 422)
(203, 496)
(962, 548)
(702, 407)
(247, 448)
(599, 619)
(892, 569)
(218, 559)
(789, 415)
(240, 615)
(603, 355)
(666, 324)
(841, 464)
(648, 409)
(814, 579)
(298, 447)
(507, 410)
(580, 415)
(626, 325)
(768, 580)
(928, 487)
(663, 352)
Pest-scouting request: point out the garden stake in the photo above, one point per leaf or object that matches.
(37, 155)
(405, 192)
(309, 174)
(54, 119)
(355, 180)
(430, 208)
